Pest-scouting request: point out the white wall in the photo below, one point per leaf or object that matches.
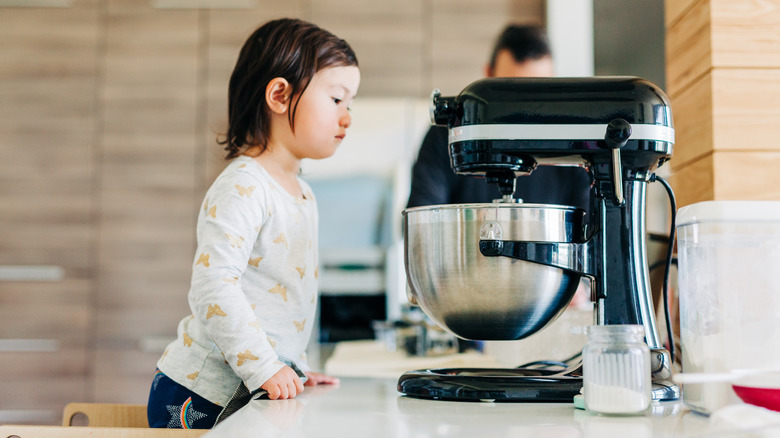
(570, 28)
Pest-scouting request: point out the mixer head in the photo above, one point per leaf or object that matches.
(501, 128)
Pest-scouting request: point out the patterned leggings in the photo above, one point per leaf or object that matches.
(176, 407)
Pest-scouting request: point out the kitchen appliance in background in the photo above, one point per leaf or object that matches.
(728, 259)
(504, 271)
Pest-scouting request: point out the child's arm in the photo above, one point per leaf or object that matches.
(283, 385)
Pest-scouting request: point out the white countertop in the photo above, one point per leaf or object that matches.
(371, 407)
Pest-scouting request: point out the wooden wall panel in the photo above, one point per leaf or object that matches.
(750, 176)
(728, 175)
(693, 182)
(720, 33)
(688, 47)
(727, 109)
(745, 109)
(675, 9)
(462, 34)
(386, 37)
(147, 183)
(692, 114)
(47, 137)
(745, 33)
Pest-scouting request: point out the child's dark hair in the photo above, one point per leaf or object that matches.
(288, 48)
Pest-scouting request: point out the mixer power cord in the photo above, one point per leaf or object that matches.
(668, 267)
(665, 294)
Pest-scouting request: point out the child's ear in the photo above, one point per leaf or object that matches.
(277, 95)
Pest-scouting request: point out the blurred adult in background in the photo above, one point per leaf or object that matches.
(520, 51)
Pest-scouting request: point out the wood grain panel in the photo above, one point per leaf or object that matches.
(387, 38)
(688, 48)
(55, 310)
(149, 151)
(751, 176)
(675, 9)
(137, 371)
(692, 113)
(67, 363)
(745, 109)
(722, 33)
(745, 33)
(728, 175)
(45, 391)
(462, 36)
(727, 109)
(48, 77)
(693, 182)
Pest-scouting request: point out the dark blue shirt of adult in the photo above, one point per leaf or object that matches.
(434, 182)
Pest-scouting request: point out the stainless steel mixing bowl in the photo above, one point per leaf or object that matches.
(488, 298)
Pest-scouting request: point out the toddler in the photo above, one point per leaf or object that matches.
(253, 293)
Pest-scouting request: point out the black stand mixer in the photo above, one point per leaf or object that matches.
(504, 271)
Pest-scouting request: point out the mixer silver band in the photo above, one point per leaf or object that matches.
(555, 132)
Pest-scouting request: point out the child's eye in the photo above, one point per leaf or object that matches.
(336, 100)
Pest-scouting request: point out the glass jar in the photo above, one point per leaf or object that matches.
(616, 370)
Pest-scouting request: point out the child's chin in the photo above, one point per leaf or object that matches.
(322, 154)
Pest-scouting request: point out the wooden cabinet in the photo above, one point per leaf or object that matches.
(48, 84)
(723, 71)
(148, 148)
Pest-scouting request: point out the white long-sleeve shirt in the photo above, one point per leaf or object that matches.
(253, 293)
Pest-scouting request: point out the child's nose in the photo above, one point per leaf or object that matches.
(346, 119)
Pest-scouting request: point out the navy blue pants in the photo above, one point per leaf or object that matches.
(176, 407)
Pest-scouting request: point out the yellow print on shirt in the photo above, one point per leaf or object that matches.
(235, 241)
(300, 325)
(212, 212)
(203, 259)
(215, 310)
(280, 290)
(281, 239)
(245, 191)
(245, 356)
(187, 340)
(255, 261)
(301, 271)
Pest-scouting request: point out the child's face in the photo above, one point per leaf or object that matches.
(322, 118)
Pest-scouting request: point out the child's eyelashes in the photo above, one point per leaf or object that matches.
(336, 100)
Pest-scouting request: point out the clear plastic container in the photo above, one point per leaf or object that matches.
(729, 257)
(616, 370)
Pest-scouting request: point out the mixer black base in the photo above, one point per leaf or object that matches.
(490, 384)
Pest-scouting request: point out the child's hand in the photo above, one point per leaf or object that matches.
(319, 379)
(283, 385)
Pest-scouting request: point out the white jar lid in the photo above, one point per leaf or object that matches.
(729, 211)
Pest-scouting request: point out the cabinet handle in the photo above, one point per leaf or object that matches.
(204, 4)
(31, 272)
(36, 3)
(29, 345)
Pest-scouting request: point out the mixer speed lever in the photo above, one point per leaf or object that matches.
(617, 135)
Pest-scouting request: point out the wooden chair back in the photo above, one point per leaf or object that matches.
(12, 431)
(104, 415)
